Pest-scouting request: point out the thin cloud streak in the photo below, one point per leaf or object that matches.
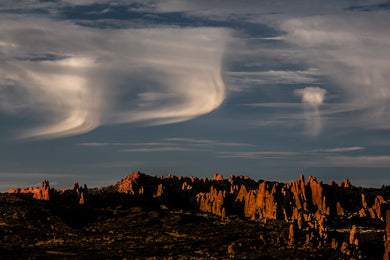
(257, 155)
(276, 105)
(206, 142)
(160, 149)
(126, 144)
(367, 161)
(172, 144)
(340, 149)
(275, 77)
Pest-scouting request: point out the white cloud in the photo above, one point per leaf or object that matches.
(76, 78)
(273, 77)
(207, 142)
(159, 149)
(172, 144)
(340, 149)
(257, 154)
(369, 161)
(311, 95)
(276, 105)
(312, 98)
(352, 52)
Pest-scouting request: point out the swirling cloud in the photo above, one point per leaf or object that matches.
(352, 52)
(71, 79)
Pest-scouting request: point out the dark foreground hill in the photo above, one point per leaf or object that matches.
(185, 217)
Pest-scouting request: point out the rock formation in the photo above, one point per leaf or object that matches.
(42, 193)
(80, 193)
(309, 207)
(299, 200)
(387, 237)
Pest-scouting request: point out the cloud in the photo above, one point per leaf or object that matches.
(194, 141)
(340, 149)
(257, 154)
(273, 77)
(276, 105)
(369, 161)
(351, 51)
(159, 149)
(127, 144)
(348, 52)
(69, 79)
(312, 98)
(171, 145)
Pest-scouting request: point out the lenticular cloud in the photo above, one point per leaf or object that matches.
(70, 79)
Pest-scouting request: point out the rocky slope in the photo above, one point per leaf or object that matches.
(348, 220)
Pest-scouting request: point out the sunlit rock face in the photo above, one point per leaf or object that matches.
(241, 195)
(342, 217)
(42, 193)
(387, 237)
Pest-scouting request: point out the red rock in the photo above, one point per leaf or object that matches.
(340, 210)
(241, 194)
(212, 202)
(316, 193)
(345, 184)
(345, 248)
(82, 199)
(291, 234)
(353, 235)
(262, 203)
(386, 256)
(364, 201)
(335, 244)
(377, 206)
(218, 177)
(44, 192)
(159, 191)
(299, 192)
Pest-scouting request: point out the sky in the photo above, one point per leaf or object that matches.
(91, 90)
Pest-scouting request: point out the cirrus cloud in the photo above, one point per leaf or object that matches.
(74, 78)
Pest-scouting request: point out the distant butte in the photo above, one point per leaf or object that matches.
(340, 216)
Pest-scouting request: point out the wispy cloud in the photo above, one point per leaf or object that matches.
(340, 149)
(257, 154)
(273, 77)
(276, 105)
(314, 155)
(128, 144)
(149, 76)
(205, 142)
(160, 149)
(356, 63)
(367, 161)
(171, 145)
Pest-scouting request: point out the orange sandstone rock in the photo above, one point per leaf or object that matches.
(44, 192)
(386, 256)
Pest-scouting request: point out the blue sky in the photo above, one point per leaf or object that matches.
(93, 89)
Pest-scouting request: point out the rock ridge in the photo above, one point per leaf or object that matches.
(311, 208)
